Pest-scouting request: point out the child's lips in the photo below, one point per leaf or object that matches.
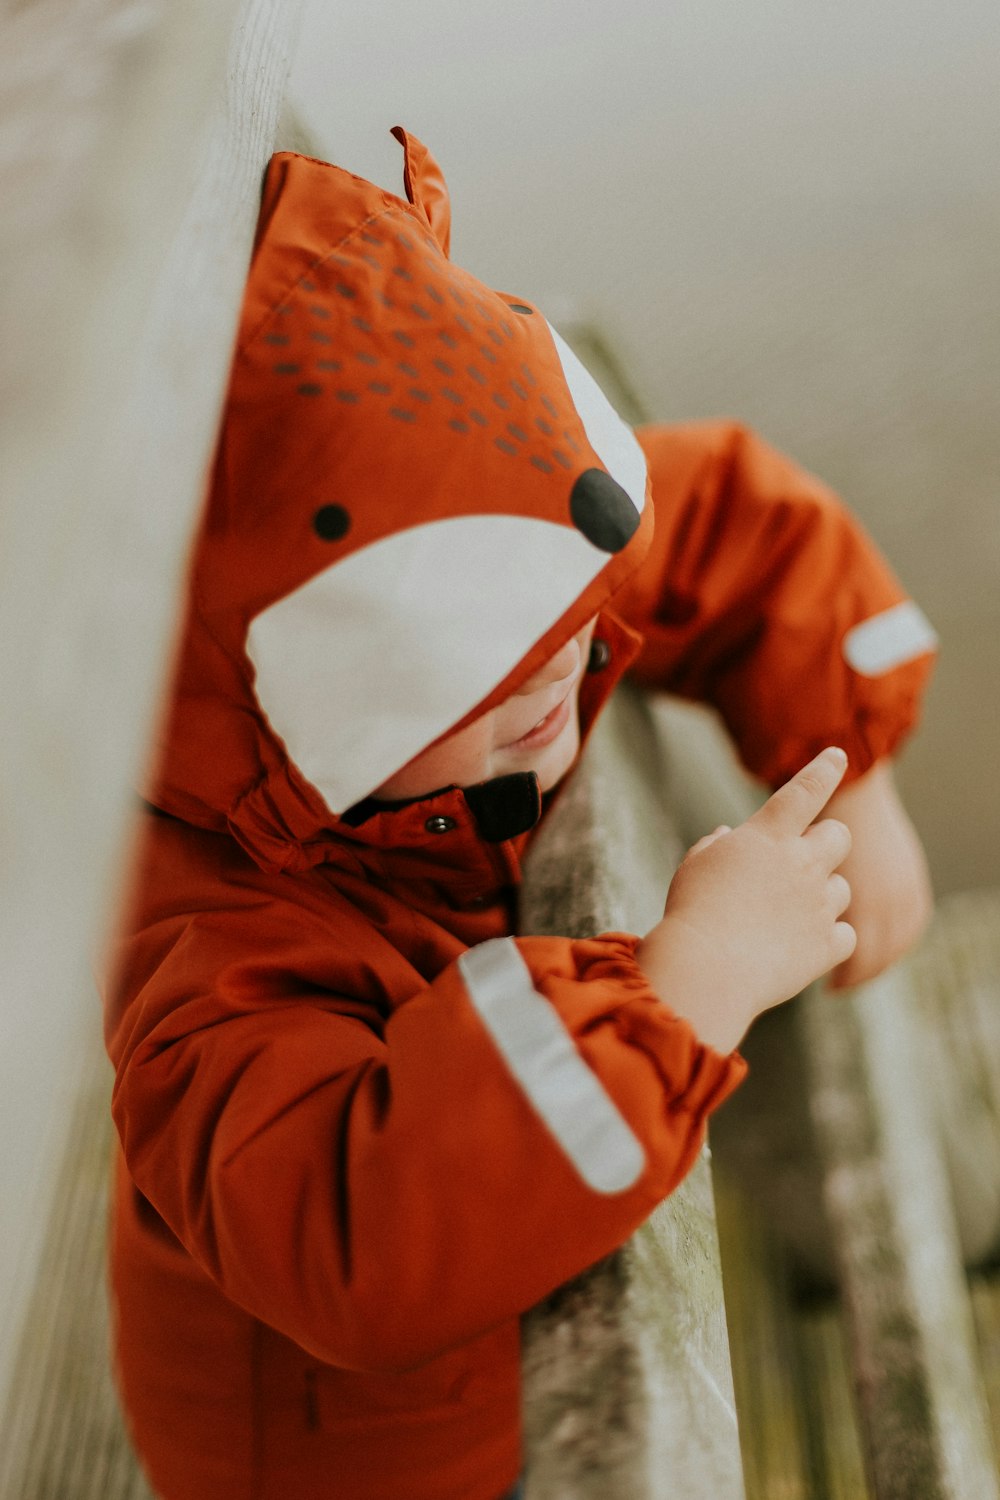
(547, 729)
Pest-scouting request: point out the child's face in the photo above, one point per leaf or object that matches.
(536, 729)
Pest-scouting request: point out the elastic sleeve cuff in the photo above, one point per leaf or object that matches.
(694, 1077)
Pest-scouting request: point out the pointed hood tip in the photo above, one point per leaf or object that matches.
(425, 186)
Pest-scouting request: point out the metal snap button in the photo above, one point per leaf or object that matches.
(600, 655)
(440, 824)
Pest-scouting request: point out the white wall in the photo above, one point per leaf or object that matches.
(777, 210)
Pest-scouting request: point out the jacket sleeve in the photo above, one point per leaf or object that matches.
(763, 597)
(382, 1186)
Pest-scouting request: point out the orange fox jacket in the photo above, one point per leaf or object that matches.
(364, 1125)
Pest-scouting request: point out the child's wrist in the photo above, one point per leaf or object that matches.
(683, 985)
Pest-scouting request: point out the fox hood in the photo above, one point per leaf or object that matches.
(419, 494)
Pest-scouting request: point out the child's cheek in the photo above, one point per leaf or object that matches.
(461, 759)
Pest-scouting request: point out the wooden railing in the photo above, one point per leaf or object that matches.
(133, 136)
(628, 1386)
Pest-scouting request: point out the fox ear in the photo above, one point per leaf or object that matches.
(425, 186)
(273, 186)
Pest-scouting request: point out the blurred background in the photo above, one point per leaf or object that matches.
(784, 212)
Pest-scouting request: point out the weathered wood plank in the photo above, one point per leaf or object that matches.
(63, 1437)
(955, 975)
(132, 139)
(628, 1387)
(920, 1393)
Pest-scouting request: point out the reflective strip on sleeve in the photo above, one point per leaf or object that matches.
(543, 1058)
(888, 640)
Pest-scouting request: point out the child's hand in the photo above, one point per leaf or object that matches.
(752, 914)
(891, 899)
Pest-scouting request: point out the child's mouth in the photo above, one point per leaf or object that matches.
(547, 729)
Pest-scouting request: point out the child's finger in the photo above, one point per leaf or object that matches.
(840, 894)
(845, 940)
(796, 804)
(831, 840)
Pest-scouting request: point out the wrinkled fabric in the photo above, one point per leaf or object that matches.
(350, 1157)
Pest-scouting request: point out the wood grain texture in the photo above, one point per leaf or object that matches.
(63, 1436)
(132, 138)
(628, 1387)
(955, 975)
(913, 1352)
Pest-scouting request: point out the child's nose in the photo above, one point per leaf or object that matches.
(562, 665)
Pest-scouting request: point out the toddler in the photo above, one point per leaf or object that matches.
(364, 1126)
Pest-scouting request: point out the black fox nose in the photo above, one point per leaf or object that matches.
(602, 511)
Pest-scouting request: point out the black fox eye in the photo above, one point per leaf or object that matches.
(331, 522)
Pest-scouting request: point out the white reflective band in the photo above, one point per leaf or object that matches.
(543, 1058)
(888, 640)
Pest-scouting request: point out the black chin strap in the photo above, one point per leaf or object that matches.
(505, 806)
